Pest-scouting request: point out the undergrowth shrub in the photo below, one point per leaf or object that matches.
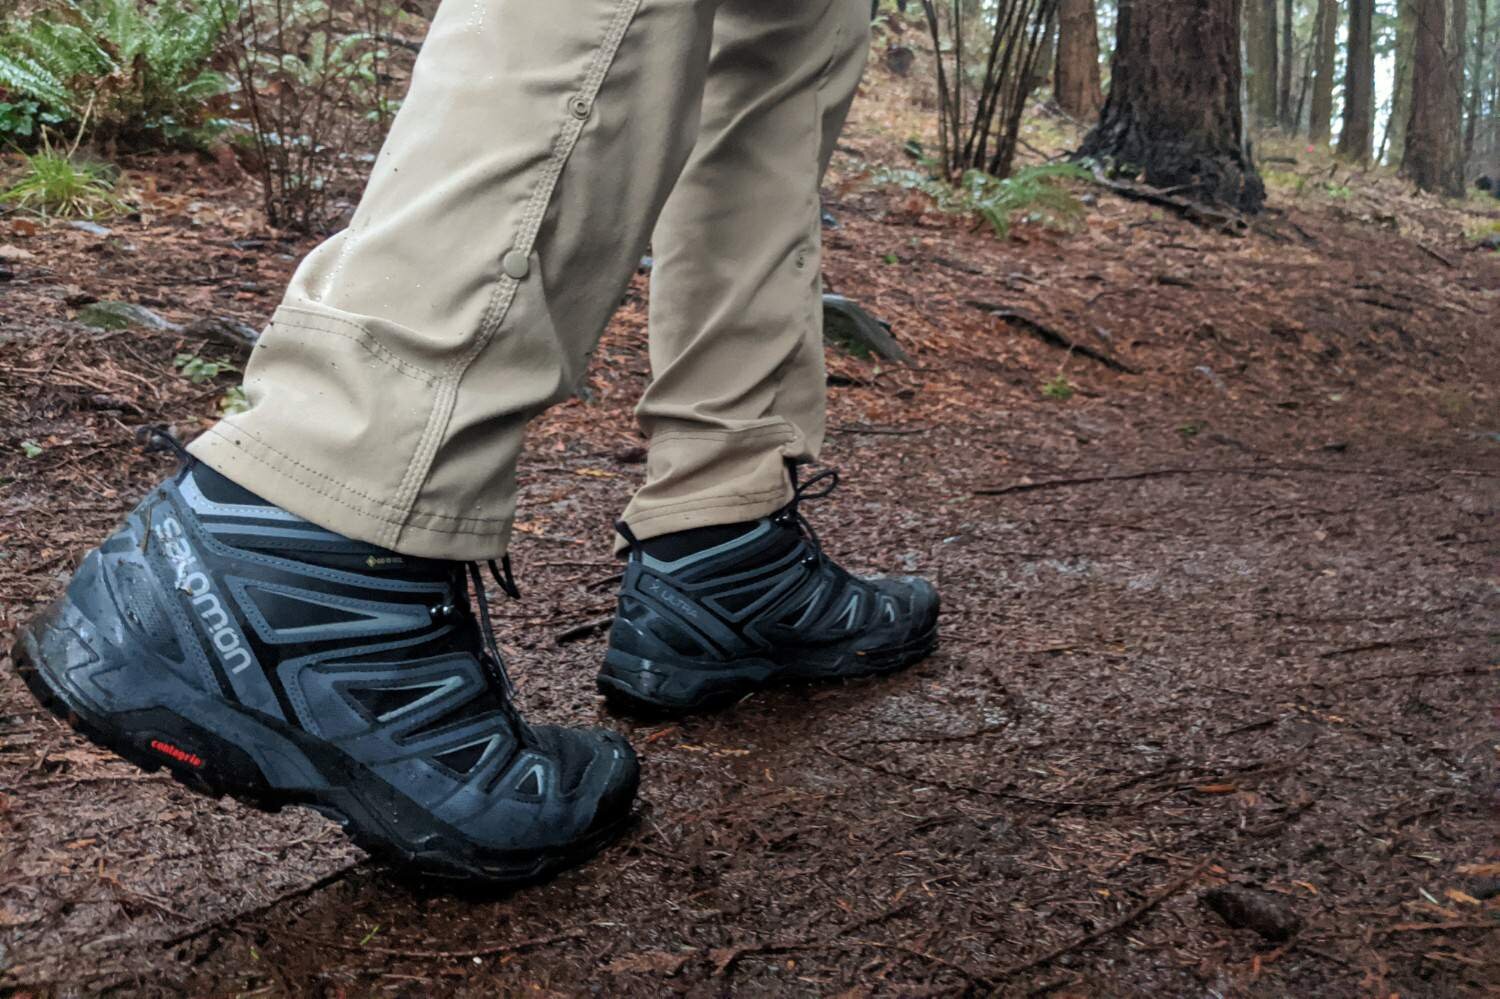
(315, 82)
(988, 61)
(1034, 193)
(134, 71)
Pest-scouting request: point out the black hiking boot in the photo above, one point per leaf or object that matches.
(703, 630)
(257, 655)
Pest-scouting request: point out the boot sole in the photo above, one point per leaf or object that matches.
(658, 688)
(385, 824)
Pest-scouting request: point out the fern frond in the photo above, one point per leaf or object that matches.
(24, 75)
(202, 87)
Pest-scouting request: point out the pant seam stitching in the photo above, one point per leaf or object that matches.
(505, 291)
(373, 514)
(687, 506)
(784, 434)
(363, 339)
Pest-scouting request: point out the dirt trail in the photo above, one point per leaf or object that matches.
(1228, 617)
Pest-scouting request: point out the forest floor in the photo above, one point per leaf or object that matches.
(1221, 608)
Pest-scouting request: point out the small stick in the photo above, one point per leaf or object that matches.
(583, 630)
(1114, 927)
(488, 951)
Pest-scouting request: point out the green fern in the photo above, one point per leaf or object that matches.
(24, 76)
(1037, 192)
(130, 67)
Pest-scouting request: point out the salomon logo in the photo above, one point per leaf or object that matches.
(194, 582)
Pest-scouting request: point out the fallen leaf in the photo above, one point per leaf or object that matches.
(14, 254)
(1461, 896)
(9, 918)
(659, 962)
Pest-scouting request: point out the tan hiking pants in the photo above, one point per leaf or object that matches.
(539, 145)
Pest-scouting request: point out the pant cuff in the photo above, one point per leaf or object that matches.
(704, 478)
(344, 509)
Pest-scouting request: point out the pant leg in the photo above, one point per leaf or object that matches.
(502, 221)
(736, 307)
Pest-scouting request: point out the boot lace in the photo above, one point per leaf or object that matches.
(792, 512)
(489, 656)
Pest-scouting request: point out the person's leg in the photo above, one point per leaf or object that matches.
(503, 218)
(724, 591)
(303, 628)
(736, 311)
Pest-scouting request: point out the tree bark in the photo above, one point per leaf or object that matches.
(1324, 51)
(1406, 34)
(1477, 87)
(1433, 157)
(1046, 58)
(1288, 55)
(1359, 84)
(1173, 111)
(1457, 50)
(1077, 79)
(1261, 55)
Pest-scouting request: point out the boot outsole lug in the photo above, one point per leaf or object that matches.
(433, 861)
(622, 697)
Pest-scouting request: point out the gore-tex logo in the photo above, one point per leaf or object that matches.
(194, 582)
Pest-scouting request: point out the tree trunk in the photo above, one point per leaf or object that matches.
(1433, 156)
(1406, 35)
(1359, 84)
(1477, 87)
(1288, 54)
(1457, 51)
(1077, 80)
(1173, 112)
(1324, 51)
(1046, 59)
(1261, 53)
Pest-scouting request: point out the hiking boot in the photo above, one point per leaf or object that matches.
(254, 654)
(703, 629)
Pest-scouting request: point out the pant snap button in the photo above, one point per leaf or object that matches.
(515, 264)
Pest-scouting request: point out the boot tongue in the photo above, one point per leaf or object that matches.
(233, 514)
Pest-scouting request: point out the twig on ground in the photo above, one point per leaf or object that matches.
(1227, 221)
(953, 737)
(859, 428)
(486, 951)
(1435, 255)
(1050, 336)
(1266, 471)
(583, 630)
(1114, 927)
(228, 921)
(725, 957)
(1403, 643)
(975, 977)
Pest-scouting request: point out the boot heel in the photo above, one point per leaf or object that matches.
(643, 686)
